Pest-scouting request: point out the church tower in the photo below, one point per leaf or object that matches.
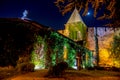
(75, 28)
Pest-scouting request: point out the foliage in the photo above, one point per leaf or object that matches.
(73, 31)
(109, 8)
(15, 39)
(58, 69)
(115, 48)
(25, 67)
(19, 39)
(67, 5)
(71, 56)
(38, 54)
(58, 50)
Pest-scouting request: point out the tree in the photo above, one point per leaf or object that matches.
(115, 48)
(111, 8)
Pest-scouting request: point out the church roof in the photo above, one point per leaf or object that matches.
(75, 17)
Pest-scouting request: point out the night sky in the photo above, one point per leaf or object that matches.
(42, 11)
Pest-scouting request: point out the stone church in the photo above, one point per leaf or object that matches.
(76, 30)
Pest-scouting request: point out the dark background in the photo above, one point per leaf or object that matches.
(44, 12)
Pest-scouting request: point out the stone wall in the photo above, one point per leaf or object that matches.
(105, 37)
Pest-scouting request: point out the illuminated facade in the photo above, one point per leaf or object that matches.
(105, 39)
(75, 29)
(43, 46)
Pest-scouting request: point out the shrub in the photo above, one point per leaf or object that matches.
(25, 67)
(90, 68)
(58, 69)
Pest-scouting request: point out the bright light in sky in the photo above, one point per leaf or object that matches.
(88, 13)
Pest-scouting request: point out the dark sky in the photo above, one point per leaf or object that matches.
(42, 11)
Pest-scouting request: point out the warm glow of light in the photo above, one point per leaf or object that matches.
(105, 59)
(37, 67)
(65, 53)
(37, 55)
(79, 35)
(116, 63)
